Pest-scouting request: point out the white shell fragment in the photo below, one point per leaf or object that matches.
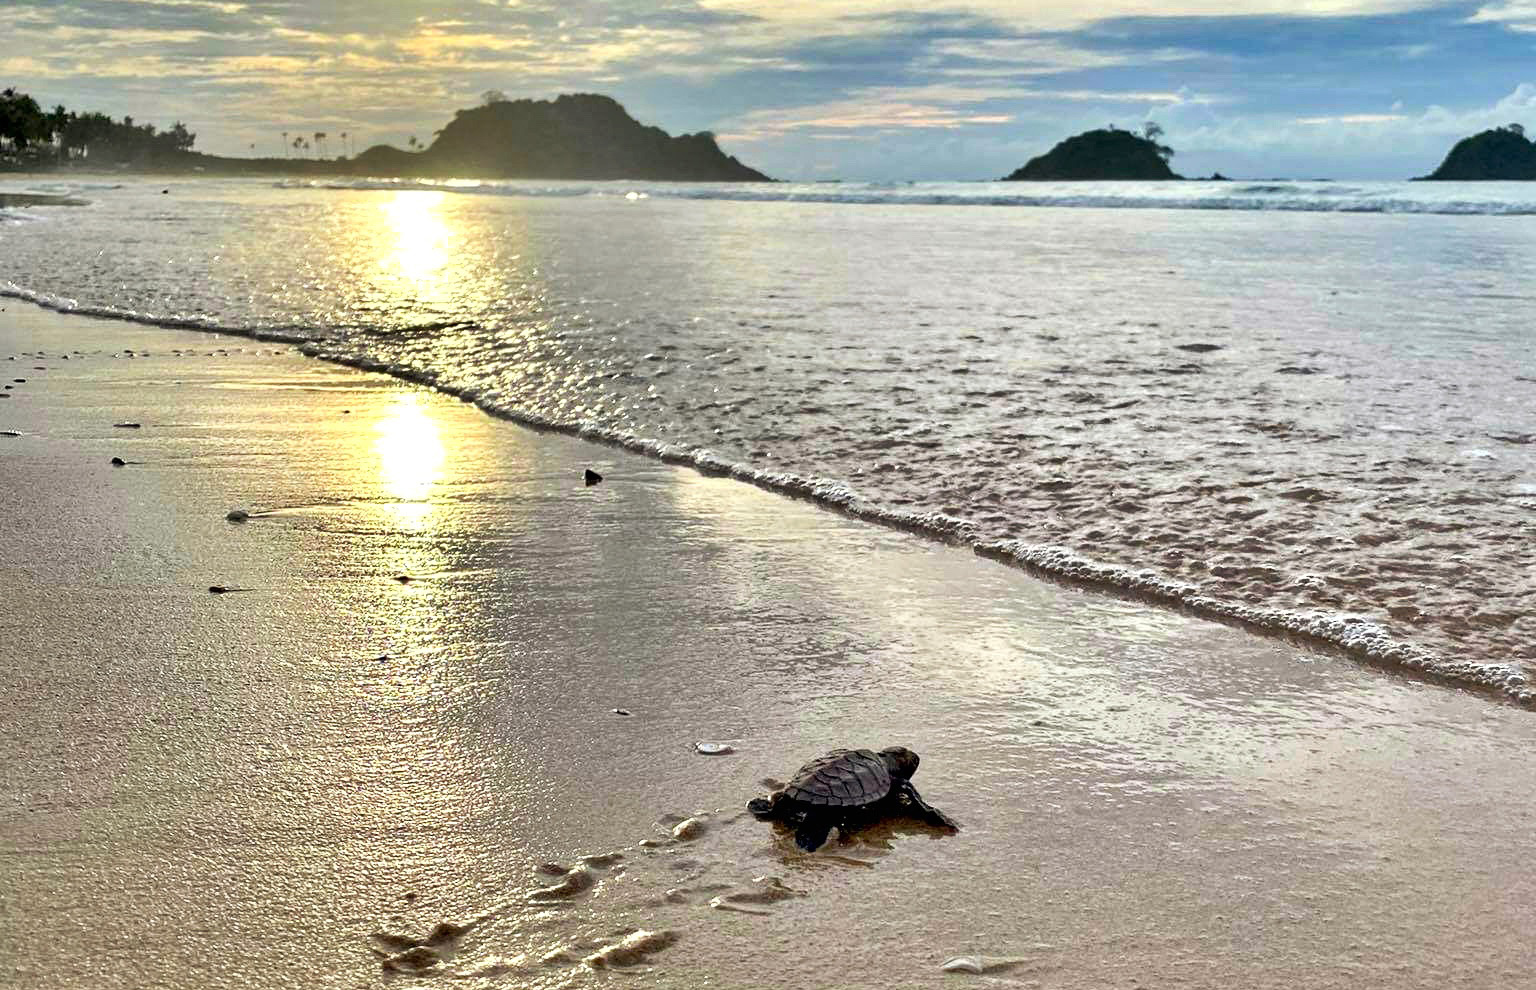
(980, 964)
(713, 749)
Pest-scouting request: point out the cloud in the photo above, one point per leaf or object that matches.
(862, 87)
(1516, 15)
(941, 106)
(1351, 118)
(1041, 15)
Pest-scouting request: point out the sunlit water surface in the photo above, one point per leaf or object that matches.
(338, 779)
(1312, 422)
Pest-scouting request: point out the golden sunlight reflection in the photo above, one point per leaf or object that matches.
(421, 237)
(411, 457)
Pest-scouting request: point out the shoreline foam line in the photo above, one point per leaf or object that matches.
(1352, 636)
(1240, 197)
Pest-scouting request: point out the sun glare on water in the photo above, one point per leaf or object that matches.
(418, 251)
(411, 456)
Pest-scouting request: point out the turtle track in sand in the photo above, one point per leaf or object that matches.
(613, 910)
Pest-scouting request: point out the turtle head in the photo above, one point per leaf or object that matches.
(767, 807)
(901, 761)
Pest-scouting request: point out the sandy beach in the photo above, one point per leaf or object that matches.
(293, 784)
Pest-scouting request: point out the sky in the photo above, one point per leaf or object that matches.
(884, 90)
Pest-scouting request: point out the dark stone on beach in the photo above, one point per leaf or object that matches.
(118, 462)
(410, 896)
(1198, 348)
(622, 711)
(591, 477)
(127, 426)
(165, 192)
(217, 589)
(1515, 438)
(19, 381)
(9, 433)
(1294, 369)
(404, 578)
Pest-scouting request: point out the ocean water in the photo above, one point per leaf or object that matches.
(1306, 407)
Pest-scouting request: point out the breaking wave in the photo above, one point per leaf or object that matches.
(1451, 199)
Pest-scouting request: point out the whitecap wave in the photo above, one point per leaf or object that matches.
(1451, 199)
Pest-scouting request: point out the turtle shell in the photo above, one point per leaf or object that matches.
(844, 778)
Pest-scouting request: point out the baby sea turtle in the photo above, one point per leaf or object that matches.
(847, 786)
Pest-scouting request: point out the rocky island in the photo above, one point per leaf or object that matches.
(1504, 153)
(576, 136)
(1106, 154)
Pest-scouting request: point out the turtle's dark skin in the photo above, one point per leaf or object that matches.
(848, 786)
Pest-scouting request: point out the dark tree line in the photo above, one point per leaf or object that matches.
(27, 132)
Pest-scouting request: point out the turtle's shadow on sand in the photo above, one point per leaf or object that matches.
(862, 845)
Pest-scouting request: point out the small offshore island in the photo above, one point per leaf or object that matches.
(574, 136)
(1502, 154)
(1108, 154)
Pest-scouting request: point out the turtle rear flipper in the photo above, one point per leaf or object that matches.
(925, 811)
(813, 832)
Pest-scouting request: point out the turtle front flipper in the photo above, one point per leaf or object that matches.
(761, 807)
(813, 832)
(925, 811)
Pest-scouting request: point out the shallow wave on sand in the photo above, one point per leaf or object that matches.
(1212, 413)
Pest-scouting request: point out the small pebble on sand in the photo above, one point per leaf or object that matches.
(592, 477)
(118, 462)
(237, 515)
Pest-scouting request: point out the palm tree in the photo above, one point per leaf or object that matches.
(285, 144)
(346, 144)
(320, 143)
(56, 122)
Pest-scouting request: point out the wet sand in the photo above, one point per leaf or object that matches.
(295, 783)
